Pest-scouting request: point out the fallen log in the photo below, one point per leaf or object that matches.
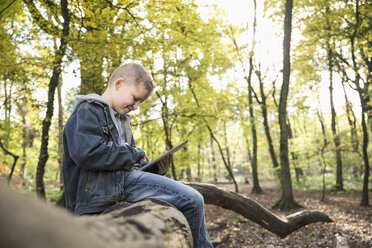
(256, 212)
(27, 222)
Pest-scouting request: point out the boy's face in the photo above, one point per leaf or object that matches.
(128, 96)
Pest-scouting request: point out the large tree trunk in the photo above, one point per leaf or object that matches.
(150, 223)
(287, 200)
(91, 64)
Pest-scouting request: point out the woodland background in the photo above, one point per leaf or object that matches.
(220, 84)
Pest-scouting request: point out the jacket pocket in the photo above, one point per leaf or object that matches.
(104, 186)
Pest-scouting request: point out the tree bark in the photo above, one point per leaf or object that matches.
(287, 200)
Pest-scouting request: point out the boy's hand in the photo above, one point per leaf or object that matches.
(144, 158)
(164, 165)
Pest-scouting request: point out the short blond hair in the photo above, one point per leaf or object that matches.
(135, 72)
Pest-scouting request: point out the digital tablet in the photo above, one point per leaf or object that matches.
(156, 160)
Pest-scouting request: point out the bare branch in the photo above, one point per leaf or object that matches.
(3, 10)
(256, 212)
(44, 24)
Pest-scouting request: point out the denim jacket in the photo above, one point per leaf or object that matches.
(97, 151)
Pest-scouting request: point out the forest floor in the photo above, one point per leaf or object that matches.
(350, 220)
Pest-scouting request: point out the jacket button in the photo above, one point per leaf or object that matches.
(86, 189)
(118, 172)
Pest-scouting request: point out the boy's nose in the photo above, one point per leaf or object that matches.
(136, 104)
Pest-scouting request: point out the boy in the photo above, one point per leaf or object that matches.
(99, 155)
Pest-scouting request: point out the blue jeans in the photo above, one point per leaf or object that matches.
(141, 185)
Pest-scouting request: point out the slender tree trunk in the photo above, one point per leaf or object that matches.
(188, 167)
(6, 96)
(60, 133)
(365, 200)
(223, 158)
(199, 163)
(256, 189)
(7, 111)
(43, 156)
(325, 143)
(15, 158)
(287, 200)
(263, 104)
(294, 156)
(24, 142)
(215, 139)
(249, 155)
(351, 120)
(336, 138)
(227, 147)
(214, 164)
(363, 93)
(367, 112)
(165, 119)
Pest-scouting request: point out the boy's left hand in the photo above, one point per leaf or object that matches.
(144, 158)
(164, 165)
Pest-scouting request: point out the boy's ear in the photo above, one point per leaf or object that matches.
(118, 83)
